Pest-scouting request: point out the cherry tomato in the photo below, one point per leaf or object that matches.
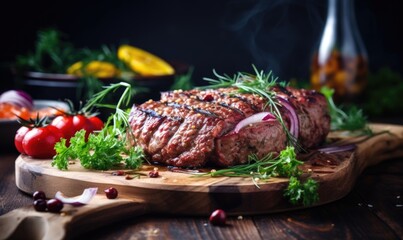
(96, 122)
(19, 136)
(39, 142)
(82, 122)
(65, 124)
(69, 124)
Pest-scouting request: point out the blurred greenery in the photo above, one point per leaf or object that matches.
(382, 97)
(183, 81)
(384, 94)
(52, 54)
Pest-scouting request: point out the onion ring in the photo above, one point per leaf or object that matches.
(255, 118)
(335, 149)
(294, 121)
(82, 199)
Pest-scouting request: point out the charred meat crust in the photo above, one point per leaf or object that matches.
(195, 128)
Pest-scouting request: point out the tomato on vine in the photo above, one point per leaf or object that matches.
(36, 139)
(97, 122)
(73, 121)
(19, 136)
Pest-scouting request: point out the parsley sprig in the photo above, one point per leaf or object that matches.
(107, 148)
(286, 165)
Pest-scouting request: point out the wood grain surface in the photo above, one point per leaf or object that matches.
(178, 193)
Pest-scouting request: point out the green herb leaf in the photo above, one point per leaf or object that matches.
(52, 54)
(352, 120)
(284, 165)
(384, 93)
(260, 84)
(305, 193)
(183, 81)
(106, 149)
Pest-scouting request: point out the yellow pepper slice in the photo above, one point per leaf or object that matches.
(143, 62)
(98, 69)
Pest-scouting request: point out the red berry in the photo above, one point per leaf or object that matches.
(40, 205)
(111, 193)
(55, 205)
(153, 174)
(218, 217)
(39, 195)
(208, 98)
(118, 173)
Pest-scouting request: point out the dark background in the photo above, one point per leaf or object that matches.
(228, 35)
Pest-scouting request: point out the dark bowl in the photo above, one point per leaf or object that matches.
(64, 86)
(8, 128)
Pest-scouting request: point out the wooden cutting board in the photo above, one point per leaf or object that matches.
(182, 193)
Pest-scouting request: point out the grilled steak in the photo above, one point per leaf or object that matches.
(195, 128)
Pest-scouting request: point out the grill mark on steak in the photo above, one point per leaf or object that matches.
(161, 137)
(244, 100)
(196, 125)
(136, 119)
(280, 89)
(232, 108)
(202, 146)
(257, 102)
(216, 96)
(208, 101)
(144, 122)
(150, 125)
(230, 115)
(198, 110)
(195, 134)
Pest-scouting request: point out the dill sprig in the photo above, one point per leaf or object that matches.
(286, 165)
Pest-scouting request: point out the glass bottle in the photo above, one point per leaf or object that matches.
(341, 60)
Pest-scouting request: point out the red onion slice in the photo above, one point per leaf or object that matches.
(335, 149)
(294, 121)
(17, 97)
(82, 199)
(255, 118)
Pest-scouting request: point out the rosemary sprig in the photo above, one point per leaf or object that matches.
(260, 84)
(286, 165)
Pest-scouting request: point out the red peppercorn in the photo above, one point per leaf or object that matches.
(40, 205)
(208, 98)
(111, 193)
(118, 173)
(55, 205)
(218, 217)
(153, 174)
(39, 195)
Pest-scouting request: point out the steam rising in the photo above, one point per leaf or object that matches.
(280, 35)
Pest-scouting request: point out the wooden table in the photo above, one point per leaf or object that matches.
(373, 210)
